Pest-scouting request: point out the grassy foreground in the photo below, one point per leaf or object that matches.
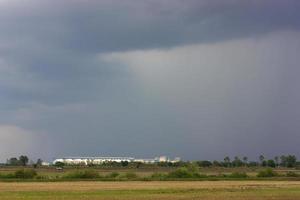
(209, 190)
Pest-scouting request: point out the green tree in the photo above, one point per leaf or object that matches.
(237, 162)
(217, 163)
(23, 160)
(271, 163)
(39, 162)
(124, 163)
(288, 161)
(13, 161)
(264, 163)
(253, 164)
(283, 161)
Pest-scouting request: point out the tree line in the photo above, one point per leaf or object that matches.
(23, 160)
(288, 161)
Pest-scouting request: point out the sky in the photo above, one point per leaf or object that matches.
(197, 79)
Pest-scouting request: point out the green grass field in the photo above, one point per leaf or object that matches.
(208, 190)
(144, 172)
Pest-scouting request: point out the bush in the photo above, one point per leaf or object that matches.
(197, 175)
(7, 175)
(181, 173)
(40, 177)
(113, 175)
(267, 173)
(292, 174)
(237, 175)
(204, 163)
(130, 175)
(25, 173)
(59, 164)
(86, 174)
(184, 172)
(158, 176)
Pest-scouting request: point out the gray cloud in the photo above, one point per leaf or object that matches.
(230, 96)
(52, 80)
(121, 25)
(53, 40)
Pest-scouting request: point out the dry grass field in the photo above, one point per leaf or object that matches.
(208, 190)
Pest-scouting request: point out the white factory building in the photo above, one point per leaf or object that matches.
(100, 160)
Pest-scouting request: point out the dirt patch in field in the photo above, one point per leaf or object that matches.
(138, 185)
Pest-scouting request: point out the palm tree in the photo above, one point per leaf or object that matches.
(261, 159)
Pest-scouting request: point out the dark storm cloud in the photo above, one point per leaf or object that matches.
(99, 26)
(52, 80)
(53, 40)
